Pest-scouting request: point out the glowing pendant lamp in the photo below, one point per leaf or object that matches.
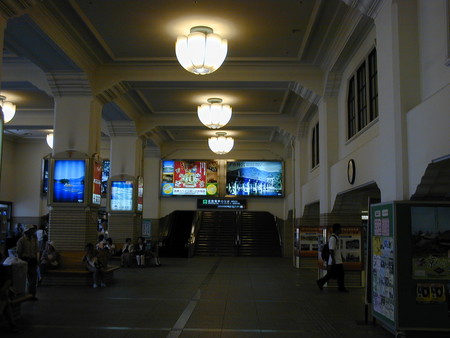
(221, 144)
(202, 51)
(8, 108)
(214, 114)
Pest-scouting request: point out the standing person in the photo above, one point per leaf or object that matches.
(336, 268)
(139, 251)
(28, 251)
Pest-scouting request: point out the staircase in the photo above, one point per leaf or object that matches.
(228, 233)
(217, 234)
(258, 235)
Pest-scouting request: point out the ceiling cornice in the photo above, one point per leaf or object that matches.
(369, 8)
(121, 128)
(62, 25)
(12, 8)
(69, 84)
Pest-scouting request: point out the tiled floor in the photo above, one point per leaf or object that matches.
(200, 297)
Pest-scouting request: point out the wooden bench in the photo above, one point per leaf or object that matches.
(72, 271)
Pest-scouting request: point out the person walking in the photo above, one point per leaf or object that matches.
(335, 266)
(28, 251)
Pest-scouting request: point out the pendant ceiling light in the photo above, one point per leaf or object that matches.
(202, 51)
(221, 144)
(214, 114)
(8, 108)
(50, 140)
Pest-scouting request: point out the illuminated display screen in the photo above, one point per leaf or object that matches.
(122, 195)
(45, 176)
(97, 183)
(221, 204)
(69, 181)
(189, 178)
(254, 178)
(105, 175)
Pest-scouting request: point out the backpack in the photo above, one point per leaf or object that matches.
(325, 254)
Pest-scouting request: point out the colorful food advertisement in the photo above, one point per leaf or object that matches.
(189, 178)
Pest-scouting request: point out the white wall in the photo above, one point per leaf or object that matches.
(428, 134)
(433, 28)
(21, 177)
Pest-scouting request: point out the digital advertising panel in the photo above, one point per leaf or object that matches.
(122, 195)
(69, 181)
(189, 178)
(96, 183)
(254, 178)
(105, 176)
(140, 194)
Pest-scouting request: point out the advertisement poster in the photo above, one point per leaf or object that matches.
(189, 178)
(430, 228)
(309, 241)
(122, 195)
(147, 228)
(350, 245)
(68, 181)
(105, 176)
(97, 183)
(383, 272)
(254, 178)
(140, 194)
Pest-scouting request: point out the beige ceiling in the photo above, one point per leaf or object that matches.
(283, 56)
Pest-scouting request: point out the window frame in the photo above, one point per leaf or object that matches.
(315, 150)
(362, 95)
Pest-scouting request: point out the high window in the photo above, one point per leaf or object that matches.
(362, 95)
(315, 146)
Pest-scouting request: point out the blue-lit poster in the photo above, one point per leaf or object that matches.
(254, 178)
(122, 195)
(68, 181)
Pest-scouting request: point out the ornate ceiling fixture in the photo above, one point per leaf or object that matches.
(50, 140)
(8, 108)
(202, 51)
(214, 114)
(221, 144)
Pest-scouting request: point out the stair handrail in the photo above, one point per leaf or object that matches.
(194, 231)
(277, 224)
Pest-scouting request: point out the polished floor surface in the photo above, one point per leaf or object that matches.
(200, 297)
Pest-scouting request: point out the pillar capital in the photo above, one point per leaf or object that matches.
(121, 128)
(69, 84)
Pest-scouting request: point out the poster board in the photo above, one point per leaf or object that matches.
(411, 262)
(384, 296)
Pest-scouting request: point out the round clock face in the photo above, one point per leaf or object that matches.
(351, 171)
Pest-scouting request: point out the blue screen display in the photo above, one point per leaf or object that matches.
(255, 178)
(68, 181)
(122, 195)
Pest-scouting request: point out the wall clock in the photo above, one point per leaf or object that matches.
(351, 171)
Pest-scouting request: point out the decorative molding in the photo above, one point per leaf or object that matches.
(305, 93)
(69, 84)
(116, 91)
(121, 128)
(12, 8)
(332, 83)
(369, 8)
(152, 152)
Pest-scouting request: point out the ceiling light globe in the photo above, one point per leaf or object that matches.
(9, 110)
(221, 144)
(50, 140)
(214, 114)
(202, 51)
